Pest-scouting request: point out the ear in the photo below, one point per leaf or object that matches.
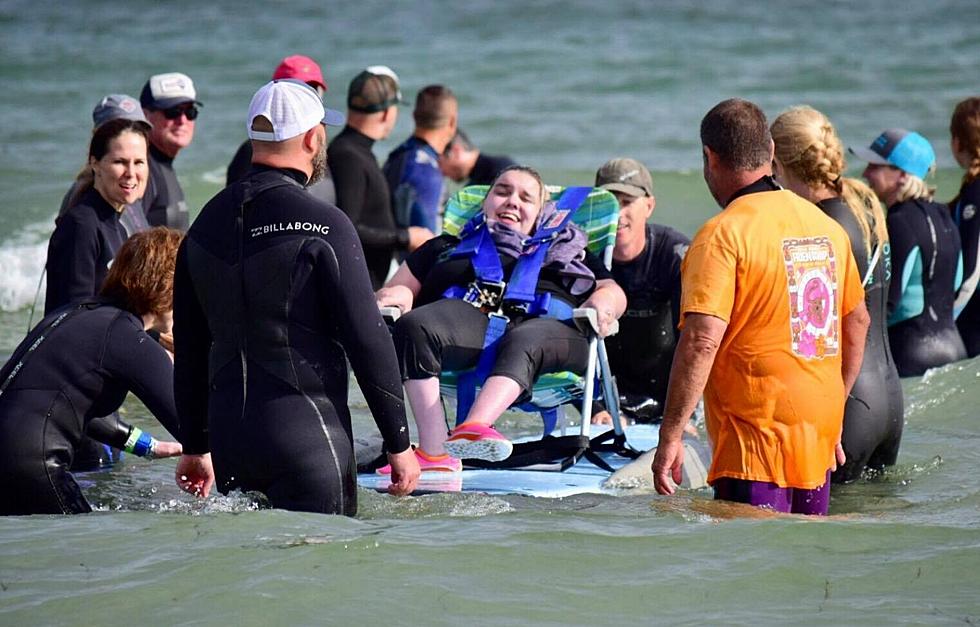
(652, 205)
(310, 143)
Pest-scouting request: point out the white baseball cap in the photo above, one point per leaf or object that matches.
(292, 106)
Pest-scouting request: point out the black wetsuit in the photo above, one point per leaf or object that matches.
(362, 193)
(83, 368)
(84, 242)
(925, 247)
(641, 353)
(267, 310)
(965, 217)
(873, 414)
(445, 333)
(163, 202)
(132, 217)
(241, 163)
(487, 167)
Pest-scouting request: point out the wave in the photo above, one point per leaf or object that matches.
(22, 261)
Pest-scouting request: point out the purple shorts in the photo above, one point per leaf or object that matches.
(813, 502)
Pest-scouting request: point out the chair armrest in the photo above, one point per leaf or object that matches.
(587, 320)
(390, 314)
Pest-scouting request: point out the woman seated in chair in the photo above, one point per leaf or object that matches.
(450, 289)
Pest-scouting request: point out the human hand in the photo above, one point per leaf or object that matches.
(194, 474)
(405, 472)
(165, 448)
(839, 457)
(418, 235)
(667, 464)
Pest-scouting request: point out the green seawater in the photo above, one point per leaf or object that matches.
(563, 86)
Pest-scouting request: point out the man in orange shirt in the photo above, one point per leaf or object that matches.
(773, 328)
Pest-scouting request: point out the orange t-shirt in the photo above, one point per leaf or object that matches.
(781, 274)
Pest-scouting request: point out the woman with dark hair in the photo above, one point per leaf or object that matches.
(79, 363)
(87, 236)
(964, 130)
(809, 161)
(448, 303)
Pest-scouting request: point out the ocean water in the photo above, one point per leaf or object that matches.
(562, 86)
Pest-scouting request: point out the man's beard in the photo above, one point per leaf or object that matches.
(319, 166)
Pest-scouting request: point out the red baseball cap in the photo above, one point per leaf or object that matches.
(301, 68)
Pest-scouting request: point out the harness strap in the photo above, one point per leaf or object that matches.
(488, 293)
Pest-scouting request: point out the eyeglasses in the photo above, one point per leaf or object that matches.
(175, 112)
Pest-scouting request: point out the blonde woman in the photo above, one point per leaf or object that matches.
(925, 247)
(809, 160)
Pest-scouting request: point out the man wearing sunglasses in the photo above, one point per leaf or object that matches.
(171, 106)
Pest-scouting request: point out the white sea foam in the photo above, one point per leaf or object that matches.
(22, 260)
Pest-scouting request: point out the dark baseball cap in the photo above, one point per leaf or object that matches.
(116, 106)
(373, 90)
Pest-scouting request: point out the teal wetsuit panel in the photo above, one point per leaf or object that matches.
(913, 293)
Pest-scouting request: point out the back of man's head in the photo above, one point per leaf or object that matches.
(435, 107)
(737, 132)
(462, 140)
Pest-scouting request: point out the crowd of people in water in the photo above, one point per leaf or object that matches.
(793, 312)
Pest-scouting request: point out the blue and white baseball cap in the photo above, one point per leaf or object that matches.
(292, 106)
(906, 150)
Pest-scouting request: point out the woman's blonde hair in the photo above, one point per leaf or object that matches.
(807, 144)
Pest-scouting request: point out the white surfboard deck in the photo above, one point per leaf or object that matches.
(582, 478)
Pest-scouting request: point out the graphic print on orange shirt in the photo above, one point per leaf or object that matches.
(811, 272)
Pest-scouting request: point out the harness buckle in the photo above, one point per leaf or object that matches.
(485, 295)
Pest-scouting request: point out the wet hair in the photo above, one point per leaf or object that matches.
(141, 278)
(736, 131)
(965, 127)
(98, 146)
(807, 144)
(432, 107)
(530, 172)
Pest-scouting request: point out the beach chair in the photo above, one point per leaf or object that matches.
(598, 216)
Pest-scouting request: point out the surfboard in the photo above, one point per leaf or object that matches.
(582, 478)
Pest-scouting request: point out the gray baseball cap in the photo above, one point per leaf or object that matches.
(116, 106)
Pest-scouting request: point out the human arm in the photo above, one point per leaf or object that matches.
(351, 182)
(192, 343)
(144, 366)
(904, 254)
(693, 360)
(609, 301)
(72, 257)
(116, 432)
(854, 328)
(400, 290)
(346, 290)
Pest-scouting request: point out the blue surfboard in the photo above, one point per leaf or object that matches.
(582, 478)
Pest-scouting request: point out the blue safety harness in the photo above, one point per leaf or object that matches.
(518, 297)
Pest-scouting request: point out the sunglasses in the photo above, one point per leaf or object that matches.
(175, 112)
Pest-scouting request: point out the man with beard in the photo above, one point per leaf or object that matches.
(271, 298)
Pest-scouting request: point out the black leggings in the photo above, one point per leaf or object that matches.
(448, 334)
